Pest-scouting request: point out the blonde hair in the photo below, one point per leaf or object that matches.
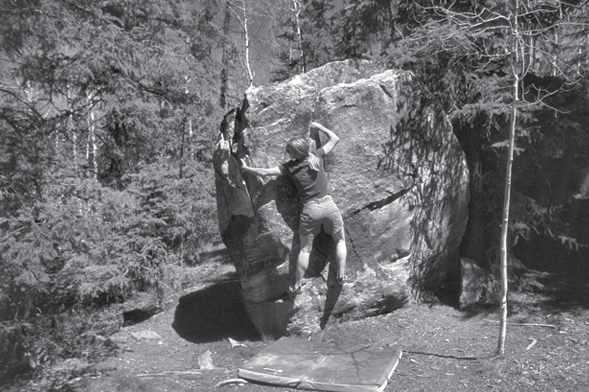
(298, 148)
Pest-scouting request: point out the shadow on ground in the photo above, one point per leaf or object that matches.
(214, 313)
(566, 292)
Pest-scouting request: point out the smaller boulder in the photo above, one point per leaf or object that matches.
(479, 286)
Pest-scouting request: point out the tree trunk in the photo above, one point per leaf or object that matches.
(507, 194)
(247, 45)
(225, 57)
(297, 12)
(92, 148)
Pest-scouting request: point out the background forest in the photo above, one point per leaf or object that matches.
(110, 109)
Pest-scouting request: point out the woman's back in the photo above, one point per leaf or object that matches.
(310, 183)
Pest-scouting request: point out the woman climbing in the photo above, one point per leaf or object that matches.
(319, 210)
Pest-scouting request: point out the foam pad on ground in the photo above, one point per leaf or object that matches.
(303, 364)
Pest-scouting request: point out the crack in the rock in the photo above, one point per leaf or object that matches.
(349, 237)
(384, 89)
(381, 203)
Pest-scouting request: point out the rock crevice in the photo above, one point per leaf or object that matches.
(376, 205)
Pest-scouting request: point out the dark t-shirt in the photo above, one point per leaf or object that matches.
(310, 184)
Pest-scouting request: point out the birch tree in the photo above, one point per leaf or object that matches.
(306, 38)
(226, 49)
(247, 42)
(527, 27)
(478, 60)
(297, 7)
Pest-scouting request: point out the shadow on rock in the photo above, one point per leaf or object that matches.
(214, 313)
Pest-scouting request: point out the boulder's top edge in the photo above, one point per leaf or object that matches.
(330, 74)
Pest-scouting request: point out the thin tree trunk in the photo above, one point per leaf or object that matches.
(92, 147)
(189, 126)
(75, 145)
(70, 131)
(247, 45)
(225, 57)
(190, 135)
(182, 141)
(507, 192)
(297, 12)
(505, 227)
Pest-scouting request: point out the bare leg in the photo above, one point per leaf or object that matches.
(341, 253)
(303, 259)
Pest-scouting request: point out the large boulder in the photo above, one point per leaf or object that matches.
(398, 176)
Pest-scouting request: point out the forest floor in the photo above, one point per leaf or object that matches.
(444, 349)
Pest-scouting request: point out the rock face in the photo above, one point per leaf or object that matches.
(479, 287)
(398, 176)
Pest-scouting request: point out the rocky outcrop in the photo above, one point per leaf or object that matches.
(398, 175)
(479, 287)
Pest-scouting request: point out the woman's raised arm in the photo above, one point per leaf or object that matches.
(333, 138)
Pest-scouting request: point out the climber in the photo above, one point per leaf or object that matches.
(319, 210)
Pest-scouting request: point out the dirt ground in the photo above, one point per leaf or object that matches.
(547, 346)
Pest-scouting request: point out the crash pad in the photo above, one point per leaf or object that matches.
(303, 364)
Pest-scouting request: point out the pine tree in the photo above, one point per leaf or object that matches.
(129, 84)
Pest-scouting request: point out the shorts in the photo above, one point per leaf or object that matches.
(320, 213)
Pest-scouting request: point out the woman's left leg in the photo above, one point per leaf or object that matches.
(334, 226)
(341, 253)
(303, 258)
